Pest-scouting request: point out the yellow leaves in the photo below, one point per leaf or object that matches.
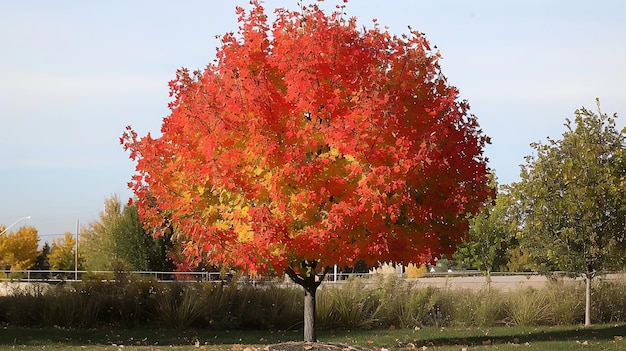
(200, 189)
(62, 255)
(331, 154)
(244, 232)
(257, 171)
(19, 249)
(224, 196)
(277, 248)
(222, 225)
(241, 226)
(243, 212)
(232, 213)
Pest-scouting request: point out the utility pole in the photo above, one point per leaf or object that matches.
(76, 254)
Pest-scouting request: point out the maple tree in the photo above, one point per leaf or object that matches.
(310, 142)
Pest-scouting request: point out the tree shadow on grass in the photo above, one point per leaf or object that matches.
(485, 336)
(367, 338)
(139, 336)
(581, 334)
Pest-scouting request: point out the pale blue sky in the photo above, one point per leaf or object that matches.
(74, 73)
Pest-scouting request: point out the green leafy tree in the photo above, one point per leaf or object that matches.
(518, 259)
(572, 200)
(97, 239)
(139, 249)
(517, 254)
(491, 234)
(119, 237)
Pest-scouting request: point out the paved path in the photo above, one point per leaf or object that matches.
(501, 282)
(473, 282)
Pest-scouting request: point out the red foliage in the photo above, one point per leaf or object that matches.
(309, 138)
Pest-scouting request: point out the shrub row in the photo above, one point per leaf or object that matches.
(384, 303)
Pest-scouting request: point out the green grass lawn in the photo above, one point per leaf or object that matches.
(600, 337)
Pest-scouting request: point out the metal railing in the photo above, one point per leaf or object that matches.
(52, 276)
(57, 276)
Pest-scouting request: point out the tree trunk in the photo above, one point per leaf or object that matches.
(309, 313)
(310, 283)
(588, 300)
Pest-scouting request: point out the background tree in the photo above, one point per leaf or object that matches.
(491, 235)
(97, 239)
(119, 238)
(141, 250)
(18, 250)
(63, 253)
(42, 262)
(309, 142)
(517, 254)
(518, 259)
(572, 198)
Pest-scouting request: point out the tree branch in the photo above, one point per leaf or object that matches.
(323, 275)
(294, 276)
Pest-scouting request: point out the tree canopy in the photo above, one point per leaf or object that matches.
(309, 139)
(18, 249)
(63, 253)
(571, 194)
(491, 235)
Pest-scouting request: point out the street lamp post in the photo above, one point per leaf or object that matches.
(14, 223)
(76, 254)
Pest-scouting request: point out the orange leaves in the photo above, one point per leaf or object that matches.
(309, 137)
